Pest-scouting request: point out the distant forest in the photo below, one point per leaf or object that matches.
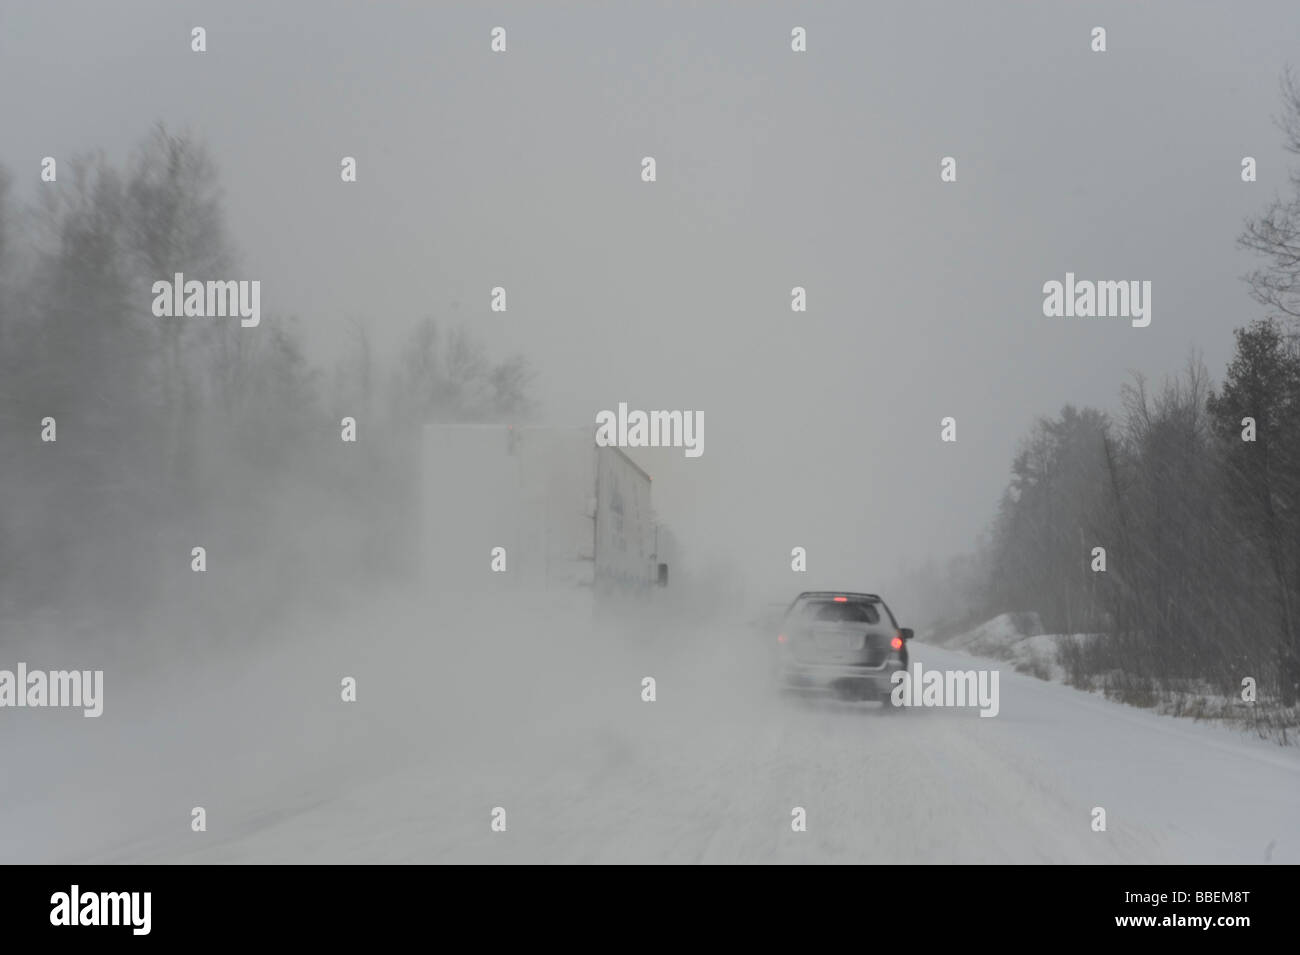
(170, 433)
(1197, 507)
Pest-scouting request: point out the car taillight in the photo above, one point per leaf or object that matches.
(780, 638)
(897, 642)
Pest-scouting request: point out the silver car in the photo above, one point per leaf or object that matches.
(840, 643)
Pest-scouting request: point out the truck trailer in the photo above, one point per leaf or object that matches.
(535, 509)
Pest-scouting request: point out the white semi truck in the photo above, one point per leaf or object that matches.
(536, 510)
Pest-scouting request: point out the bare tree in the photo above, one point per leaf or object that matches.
(1276, 233)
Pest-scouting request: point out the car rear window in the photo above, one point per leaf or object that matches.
(829, 611)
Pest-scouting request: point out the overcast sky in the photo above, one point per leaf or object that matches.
(775, 169)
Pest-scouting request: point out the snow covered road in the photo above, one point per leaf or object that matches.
(555, 732)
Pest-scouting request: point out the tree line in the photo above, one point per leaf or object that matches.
(1191, 489)
(172, 433)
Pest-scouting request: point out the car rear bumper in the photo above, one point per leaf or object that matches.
(863, 682)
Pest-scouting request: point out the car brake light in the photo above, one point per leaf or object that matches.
(896, 643)
(841, 600)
